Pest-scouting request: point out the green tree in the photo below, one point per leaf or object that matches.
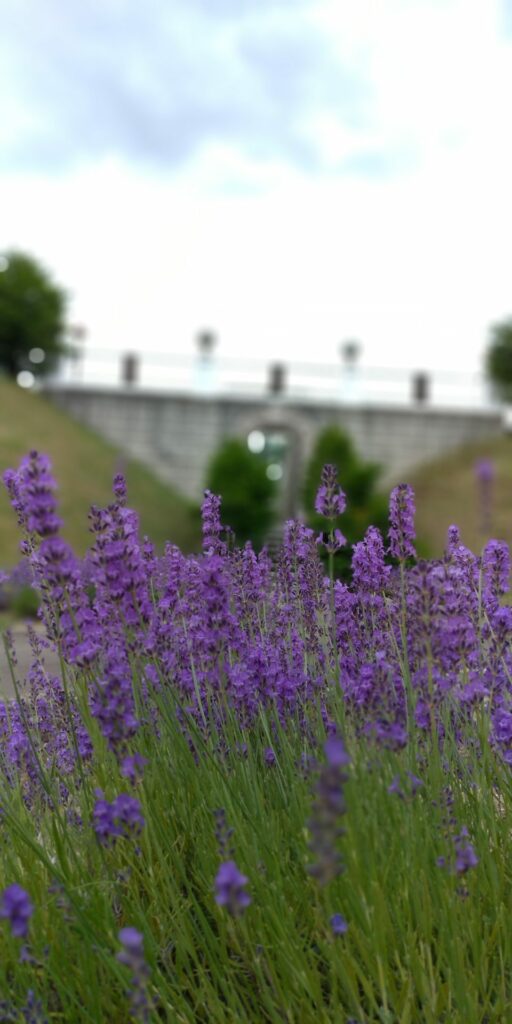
(499, 358)
(32, 314)
(365, 506)
(248, 496)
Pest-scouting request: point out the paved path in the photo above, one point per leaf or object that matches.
(25, 657)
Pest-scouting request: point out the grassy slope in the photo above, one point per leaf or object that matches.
(84, 465)
(446, 492)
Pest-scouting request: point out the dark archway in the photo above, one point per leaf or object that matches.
(283, 441)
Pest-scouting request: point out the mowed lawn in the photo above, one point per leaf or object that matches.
(84, 466)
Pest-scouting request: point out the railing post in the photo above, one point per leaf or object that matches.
(420, 388)
(129, 369)
(277, 378)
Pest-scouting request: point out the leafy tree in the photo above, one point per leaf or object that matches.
(32, 312)
(240, 477)
(499, 358)
(358, 479)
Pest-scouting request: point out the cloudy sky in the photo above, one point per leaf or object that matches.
(289, 173)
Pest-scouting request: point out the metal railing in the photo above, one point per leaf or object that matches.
(212, 375)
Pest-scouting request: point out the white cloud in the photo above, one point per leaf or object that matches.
(407, 249)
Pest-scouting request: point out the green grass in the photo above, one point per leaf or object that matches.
(446, 492)
(84, 465)
(423, 945)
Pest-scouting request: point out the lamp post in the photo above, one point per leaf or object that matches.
(77, 333)
(350, 351)
(204, 377)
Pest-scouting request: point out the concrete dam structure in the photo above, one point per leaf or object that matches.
(176, 434)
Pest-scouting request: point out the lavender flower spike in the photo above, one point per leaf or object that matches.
(211, 525)
(223, 835)
(485, 473)
(132, 956)
(17, 908)
(330, 500)
(328, 806)
(122, 817)
(36, 489)
(119, 489)
(465, 856)
(33, 1012)
(229, 889)
(338, 924)
(401, 518)
(132, 767)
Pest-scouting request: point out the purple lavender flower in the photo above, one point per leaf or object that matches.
(414, 782)
(485, 473)
(230, 889)
(401, 517)
(370, 573)
(112, 701)
(335, 752)
(120, 570)
(53, 566)
(211, 524)
(122, 817)
(132, 767)
(330, 501)
(453, 540)
(406, 789)
(485, 470)
(496, 572)
(132, 956)
(31, 490)
(502, 726)
(338, 924)
(17, 908)
(119, 488)
(396, 787)
(269, 756)
(223, 835)
(328, 806)
(465, 856)
(230, 629)
(10, 479)
(32, 1011)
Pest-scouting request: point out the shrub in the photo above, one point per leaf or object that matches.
(499, 358)
(248, 496)
(364, 506)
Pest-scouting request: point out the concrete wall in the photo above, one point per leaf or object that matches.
(176, 435)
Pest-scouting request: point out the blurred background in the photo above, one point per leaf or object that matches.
(252, 224)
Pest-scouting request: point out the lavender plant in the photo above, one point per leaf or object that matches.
(228, 680)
